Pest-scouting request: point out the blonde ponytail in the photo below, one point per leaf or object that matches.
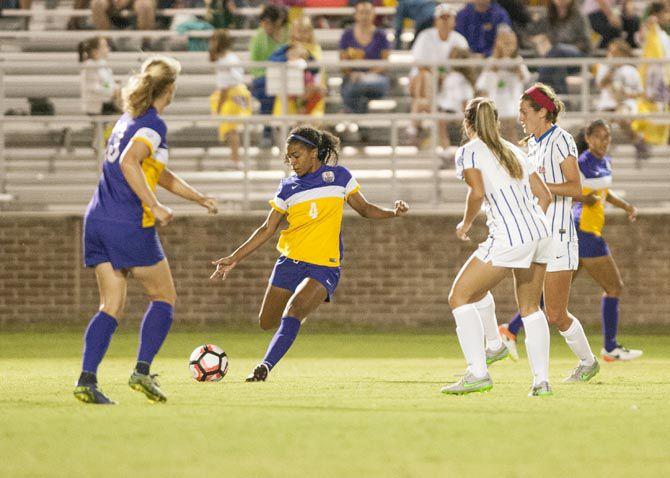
(156, 75)
(482, 117)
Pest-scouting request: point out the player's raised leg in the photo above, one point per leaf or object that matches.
(306, 299)
(606, 273)
(112, 288)
(274, 304)
(159, 287)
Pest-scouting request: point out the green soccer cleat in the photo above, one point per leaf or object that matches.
(90, 393)
(500, 353)
(469, 384)
(584, 373)
(543, 389)
(148, 385)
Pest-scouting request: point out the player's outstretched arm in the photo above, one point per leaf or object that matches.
(473, 201)
(617, 201)
(366, 209)
(131, 167)
(181, 188)
(256, 240)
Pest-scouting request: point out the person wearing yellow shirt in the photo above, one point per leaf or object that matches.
(308, 269)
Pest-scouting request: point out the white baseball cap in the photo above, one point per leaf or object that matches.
(444, 9)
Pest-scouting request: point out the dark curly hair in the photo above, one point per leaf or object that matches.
(580, 139)
(326, 144)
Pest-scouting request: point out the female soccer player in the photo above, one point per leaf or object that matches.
(553, 151)
(120, 237)
(594, 254)
(308, 269)
(499, 176)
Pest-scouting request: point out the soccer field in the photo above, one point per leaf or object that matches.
(340, 405)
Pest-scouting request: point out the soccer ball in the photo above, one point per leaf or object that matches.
(208, 363)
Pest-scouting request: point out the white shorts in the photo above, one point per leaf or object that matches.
(565, 257)
(517, 257)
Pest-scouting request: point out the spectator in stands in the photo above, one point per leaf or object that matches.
(554, 76)
(457, 90)
(611, 19)
(20, 23)
(565, 23)
(271, 34)
(519, 14)
(100, 94)
(302, 49)
(231, 98)
(505, 84)
(421, 12)
(364, 42)
(434, 44)
(107, 14)
(223, 13)
(478, 22)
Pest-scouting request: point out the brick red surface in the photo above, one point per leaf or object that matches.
(395, 273)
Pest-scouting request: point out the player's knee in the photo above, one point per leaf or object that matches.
(615, 289)
(457, 299)
(169, 295)
(296, 309)
(113, 308)
(267, 322)
(557, 317)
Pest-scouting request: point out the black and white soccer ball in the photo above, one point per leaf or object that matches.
(208, 363)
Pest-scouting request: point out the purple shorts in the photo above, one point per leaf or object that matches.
(591, 245)
(124, 245)
(289, 274)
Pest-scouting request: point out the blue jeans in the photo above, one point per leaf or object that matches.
(357, 95)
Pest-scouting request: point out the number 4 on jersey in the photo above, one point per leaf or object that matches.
(313, 211)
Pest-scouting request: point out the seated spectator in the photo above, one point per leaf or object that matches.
(505, 84)
(363, 42)
(302, 49)
(100, 94)
(107, 14)
(223, 13)
(434, 44)
(457, 89)
(478, 22)
(555, 76)
(518, 13)
(421, 12)
(611, 19)
(655, 81)
(16, 23)
(231, 98)
(271, 34)
(565, 23)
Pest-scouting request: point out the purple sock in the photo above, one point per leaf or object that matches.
(97, 337)
(282, 341)
(516, 323)
(610, 311)
(155, 327)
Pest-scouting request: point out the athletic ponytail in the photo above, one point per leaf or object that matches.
(481, 116)
(156, 75)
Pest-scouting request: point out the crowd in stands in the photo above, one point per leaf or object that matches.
(478, 29)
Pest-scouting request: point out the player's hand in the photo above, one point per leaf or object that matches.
(223, 267)
(400, 208)
(632, 213)
(591, 198)
(462, 231)
(163, 214)
(210, 204)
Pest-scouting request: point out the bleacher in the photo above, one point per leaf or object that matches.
(50, 163)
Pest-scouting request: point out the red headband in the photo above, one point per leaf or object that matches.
(539, 97)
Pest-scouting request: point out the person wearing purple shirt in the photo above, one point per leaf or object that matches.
(363, 42)
(478, 22)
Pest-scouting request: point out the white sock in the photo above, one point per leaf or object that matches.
(471, 337)
(487, 311)
(537, 345)
(577, 341)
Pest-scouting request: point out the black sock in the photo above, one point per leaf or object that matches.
(87, 378)
(142, 367)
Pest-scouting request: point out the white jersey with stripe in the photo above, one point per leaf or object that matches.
(513, 215)
(547, 153)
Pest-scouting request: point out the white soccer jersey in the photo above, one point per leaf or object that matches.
(512, 213)
(547, 153)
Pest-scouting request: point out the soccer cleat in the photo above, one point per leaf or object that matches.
(90, 393)
(148, 385)
(543, 389)
(260, 373)
(509, 339)
(620, 353)
(584, 373)
(469, 384)
(495, 355)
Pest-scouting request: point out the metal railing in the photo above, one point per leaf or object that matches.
(394, 120)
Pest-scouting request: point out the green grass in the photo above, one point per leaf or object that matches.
(340, 405)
